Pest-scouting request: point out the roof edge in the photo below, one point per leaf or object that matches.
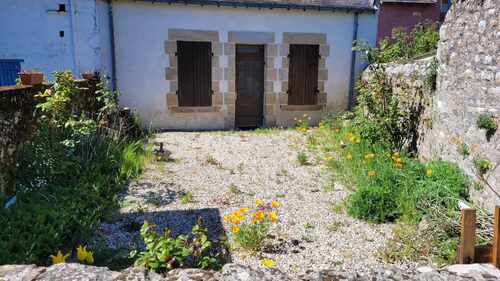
(256, 4)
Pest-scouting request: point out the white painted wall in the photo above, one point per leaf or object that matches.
(29, 30)
(141, 29)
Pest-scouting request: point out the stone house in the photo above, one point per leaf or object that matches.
(189, 65)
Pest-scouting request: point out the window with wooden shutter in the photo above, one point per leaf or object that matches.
(194, 62)
(303, 74)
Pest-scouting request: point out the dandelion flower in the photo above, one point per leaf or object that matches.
(275, 204)
(371, 173)
(269, 263)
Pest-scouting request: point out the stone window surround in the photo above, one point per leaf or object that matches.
(171, 74)
(324, 51)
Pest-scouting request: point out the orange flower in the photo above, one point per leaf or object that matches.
(258, 216)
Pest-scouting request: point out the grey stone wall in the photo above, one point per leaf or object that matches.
(16, 121)
(468, 85)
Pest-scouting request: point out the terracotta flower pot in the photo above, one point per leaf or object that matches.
(31, 78)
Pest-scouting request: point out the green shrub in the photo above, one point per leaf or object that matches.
(164, 252)
(421, 40)
(68, 177)
(373, 203)
(487, 121)
(482, 165)
(302, 158)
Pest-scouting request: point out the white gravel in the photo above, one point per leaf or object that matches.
(260, 165)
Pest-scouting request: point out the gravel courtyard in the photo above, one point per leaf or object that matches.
(227, 170)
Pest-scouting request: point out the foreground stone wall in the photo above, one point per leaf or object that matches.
(468, 85)
(236, 272)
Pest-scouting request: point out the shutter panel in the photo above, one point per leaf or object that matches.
(303, 74)
(194, 60)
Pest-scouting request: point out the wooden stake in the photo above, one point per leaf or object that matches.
(467, 236)
(495, 251)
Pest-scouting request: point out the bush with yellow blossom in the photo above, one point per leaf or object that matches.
(250, 228)
(389, 184)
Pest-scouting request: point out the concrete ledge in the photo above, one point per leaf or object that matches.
(194, 109)
(250, 37)
(304, 38)
(193, 35)
(314, 107)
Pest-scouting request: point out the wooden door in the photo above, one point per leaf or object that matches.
(249, 85)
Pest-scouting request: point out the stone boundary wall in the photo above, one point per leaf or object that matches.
(17, 104)
(409, 82)
(18, 120)
(468, 84)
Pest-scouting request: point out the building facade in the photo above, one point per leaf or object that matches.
(408, 13)
(191, 65)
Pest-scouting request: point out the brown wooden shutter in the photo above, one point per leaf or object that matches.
(303, 74)
(194, 61)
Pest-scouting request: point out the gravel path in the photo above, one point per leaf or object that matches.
(227, 170)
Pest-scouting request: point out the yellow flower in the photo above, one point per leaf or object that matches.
(275, 204)
(83, 255)
(268, 263)
(399, 165)
(259, 202)
(429, 172)
(244, 210)
(273, 217)
(158, 158)
(328, 158)
(371, 173)
(349, 156)
(235, 229)
(59, 258)
(369, 156)
(398, 160)
(258, 216)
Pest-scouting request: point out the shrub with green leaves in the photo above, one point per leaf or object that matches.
(401, 45)
(164, 252)
(482, 165)
(487, 121)
(67, 179)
